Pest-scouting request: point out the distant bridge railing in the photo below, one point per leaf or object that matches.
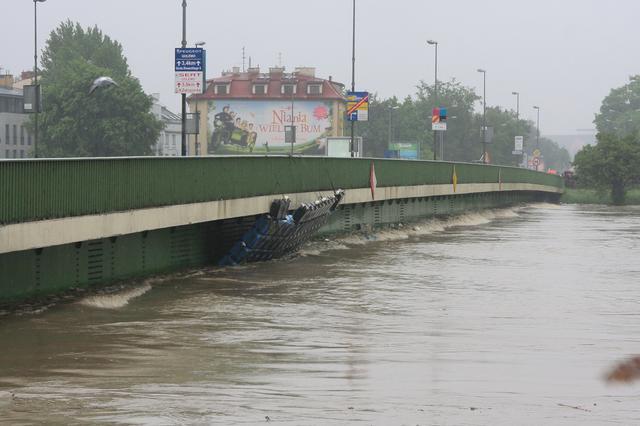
(43, 189)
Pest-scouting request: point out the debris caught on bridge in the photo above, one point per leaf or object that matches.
(279, 233)
(626, 371)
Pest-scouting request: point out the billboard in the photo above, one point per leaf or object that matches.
(406, 150)
(258, 126)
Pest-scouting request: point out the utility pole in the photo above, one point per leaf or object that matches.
(435, 132)
(537, 108)
(517, 104)
(35, 74)
(184, 95)
(484, 115)
(353, 73)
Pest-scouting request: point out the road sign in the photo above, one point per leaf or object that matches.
(357, 106)
(536, 153)
(290, 134)
(488, 134)
(189, 82)
(189, 68)
(519, 143)
(439, 119)
(191, 59)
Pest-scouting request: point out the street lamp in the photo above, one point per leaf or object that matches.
(184, 95)
(353, 73)
(197, 143)
(35, 73)
(435, 43)
(390, 122)
(537, 108)
(517, 94)
(484, 115)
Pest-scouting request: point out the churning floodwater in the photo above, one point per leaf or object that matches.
(508, 317)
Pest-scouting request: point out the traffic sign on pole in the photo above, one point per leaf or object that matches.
(357, 106)
(439, 119)
(189, 70)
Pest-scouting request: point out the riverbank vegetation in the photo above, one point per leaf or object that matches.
(613, 163)
(596, 196)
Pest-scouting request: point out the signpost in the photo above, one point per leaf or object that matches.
(358, 106)
(519, 144)
(536, 161)
(439, 119)
(439, 126)
(189, 70)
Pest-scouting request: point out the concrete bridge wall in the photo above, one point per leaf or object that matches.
(78, 222)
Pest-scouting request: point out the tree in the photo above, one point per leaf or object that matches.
(113, 121)
(462, 141)
(411, 122)
(613, 163)
(555, 157)
(620, 110)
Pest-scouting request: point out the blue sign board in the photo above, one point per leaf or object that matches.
(357, 106)
(189, 59)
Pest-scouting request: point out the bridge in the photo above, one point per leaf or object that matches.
(68, 223)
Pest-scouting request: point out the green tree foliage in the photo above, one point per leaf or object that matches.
(505, 128)
(620, 110)
(555, 157)
(113, 121)
(409, 120)
(462, 139)
(613, 164)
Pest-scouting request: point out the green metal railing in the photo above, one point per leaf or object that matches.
(54, 188)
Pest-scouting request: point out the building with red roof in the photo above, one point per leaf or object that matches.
(246, 112)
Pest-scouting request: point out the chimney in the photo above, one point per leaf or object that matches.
(236, 70)
(25, 75)
(6, 81)
(275, 73)
(253, 71)
(306, 71)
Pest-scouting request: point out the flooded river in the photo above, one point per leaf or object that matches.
(501, 318)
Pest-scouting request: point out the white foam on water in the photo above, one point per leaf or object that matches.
(544, 206)
(115, 300)
(317, 247)
(428, 227)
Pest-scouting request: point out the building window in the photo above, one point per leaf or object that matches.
(7, 139)
(6, 153)
(314, 89)
(22, 153)
(221, 89)
(21, 135)
(15, 134)
(259, 89)
(288, 89)
(28, 138)
(15, 154)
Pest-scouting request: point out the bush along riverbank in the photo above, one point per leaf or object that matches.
(595, 196)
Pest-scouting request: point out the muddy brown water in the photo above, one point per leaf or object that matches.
(502, 318)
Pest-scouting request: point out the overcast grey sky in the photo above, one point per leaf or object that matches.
(563, 55)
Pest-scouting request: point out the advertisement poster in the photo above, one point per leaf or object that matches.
(257, 127)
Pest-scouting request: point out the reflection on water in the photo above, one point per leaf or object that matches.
(509, 317)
